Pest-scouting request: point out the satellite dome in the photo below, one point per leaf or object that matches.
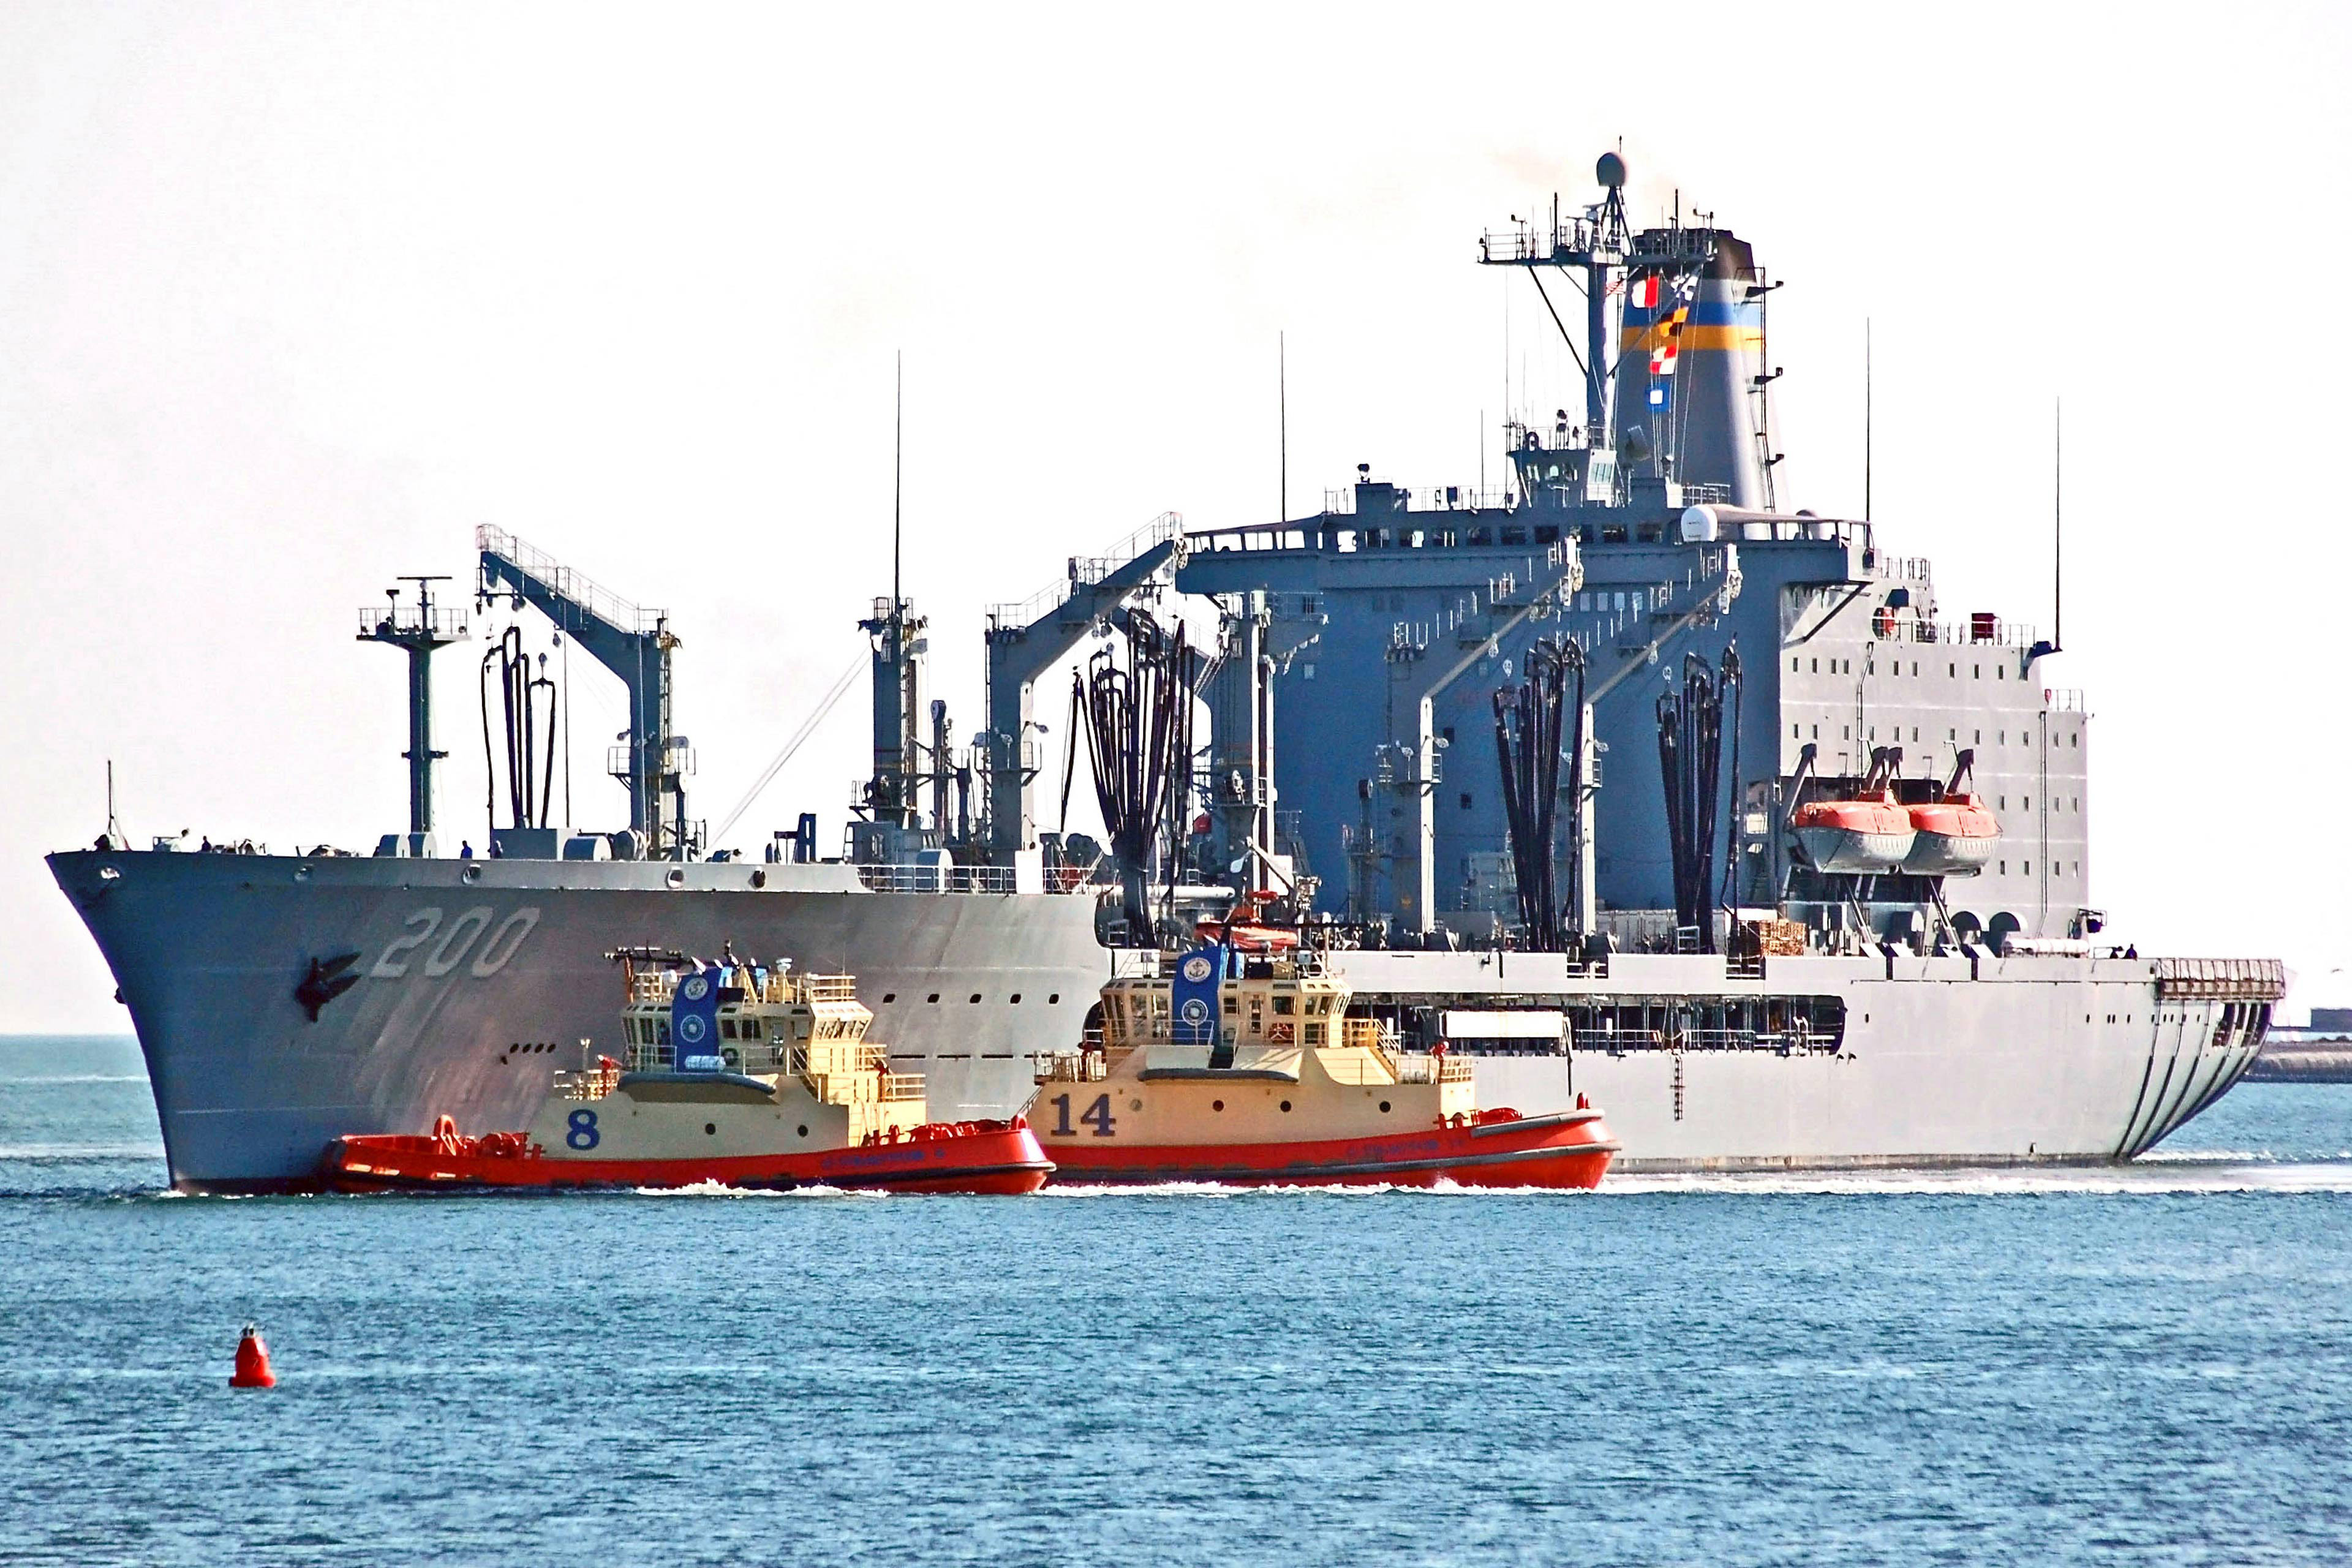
(1611, 171)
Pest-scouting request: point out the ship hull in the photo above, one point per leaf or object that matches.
(1941, 1061)
(472, 979)
(464, 993)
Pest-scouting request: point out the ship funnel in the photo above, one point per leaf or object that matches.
(1691, 366)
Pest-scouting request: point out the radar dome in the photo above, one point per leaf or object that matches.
(1611, 171)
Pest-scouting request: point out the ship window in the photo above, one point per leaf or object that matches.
(1016, 998)
(932, 998)
(1915, 667)
(726, 1028)
(661, 1031)
(1796, 732)
(975, 996)
(1817, 666)
(2000, 672)
(1976, 672)
(1054, 999)
(1793, 662)
(1817, 732)
(2004, 802)
(889, 997)
(2004, 868)
(1233, 1004)
(1314, 1034)
(1465, 800)
(2029, 868)
(1845, 731)
(2073, 740)
(1952, 669)
(1915, 731)
(1285, 1005)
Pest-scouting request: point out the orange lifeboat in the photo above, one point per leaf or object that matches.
(1245, 927)
(1957, 836)
(1868, 836)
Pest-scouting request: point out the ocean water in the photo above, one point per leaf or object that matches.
(2141, 1365)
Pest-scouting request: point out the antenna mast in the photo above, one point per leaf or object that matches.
(1281, 398)
(2058, 524)
(898, 480)
(1865, 418)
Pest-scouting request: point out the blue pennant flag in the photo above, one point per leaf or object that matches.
(694, 1022)
(1199, 975)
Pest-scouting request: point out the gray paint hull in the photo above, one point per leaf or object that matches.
(1942, 1061)
(208, 949)
(463, 963)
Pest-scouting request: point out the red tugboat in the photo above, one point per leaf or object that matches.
(739, 1075)
(1243, 1066)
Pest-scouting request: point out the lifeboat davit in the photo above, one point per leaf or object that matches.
(1957, 836)
(1866, 836)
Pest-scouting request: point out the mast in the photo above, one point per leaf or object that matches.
(2058, 524)
(417, 631)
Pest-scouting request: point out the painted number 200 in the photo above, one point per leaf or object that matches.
(1096, 1116)
(456, 942)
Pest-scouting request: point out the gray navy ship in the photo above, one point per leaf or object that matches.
(1623, 780)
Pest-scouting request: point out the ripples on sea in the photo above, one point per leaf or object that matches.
(2145, 1364)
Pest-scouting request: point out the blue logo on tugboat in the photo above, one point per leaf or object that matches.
(694, 1022)
(1194, 998)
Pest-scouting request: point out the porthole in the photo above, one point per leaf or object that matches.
(759, 878)
(470, 874)
(1054, 999)
(676, 878)
(1016, 998)
(975, 997)
(1286, 1105)
(888, 998)
(1216, 1105)
(1384, 1106)
(932, 998)
(804, 1131)
(1135, 1105)
(711, 1128)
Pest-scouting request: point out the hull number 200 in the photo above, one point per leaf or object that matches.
(472, 934)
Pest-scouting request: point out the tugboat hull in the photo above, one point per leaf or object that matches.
(1570, 1150)
(990, 1157)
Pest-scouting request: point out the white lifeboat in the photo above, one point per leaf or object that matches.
(1956, 836)
(1865, 837)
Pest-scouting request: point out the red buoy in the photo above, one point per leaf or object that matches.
(252, 1363)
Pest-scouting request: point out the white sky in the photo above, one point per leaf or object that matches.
(292, 297)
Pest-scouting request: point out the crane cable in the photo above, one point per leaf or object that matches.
(800, 738)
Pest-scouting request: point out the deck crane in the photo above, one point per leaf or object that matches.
(634, 643)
